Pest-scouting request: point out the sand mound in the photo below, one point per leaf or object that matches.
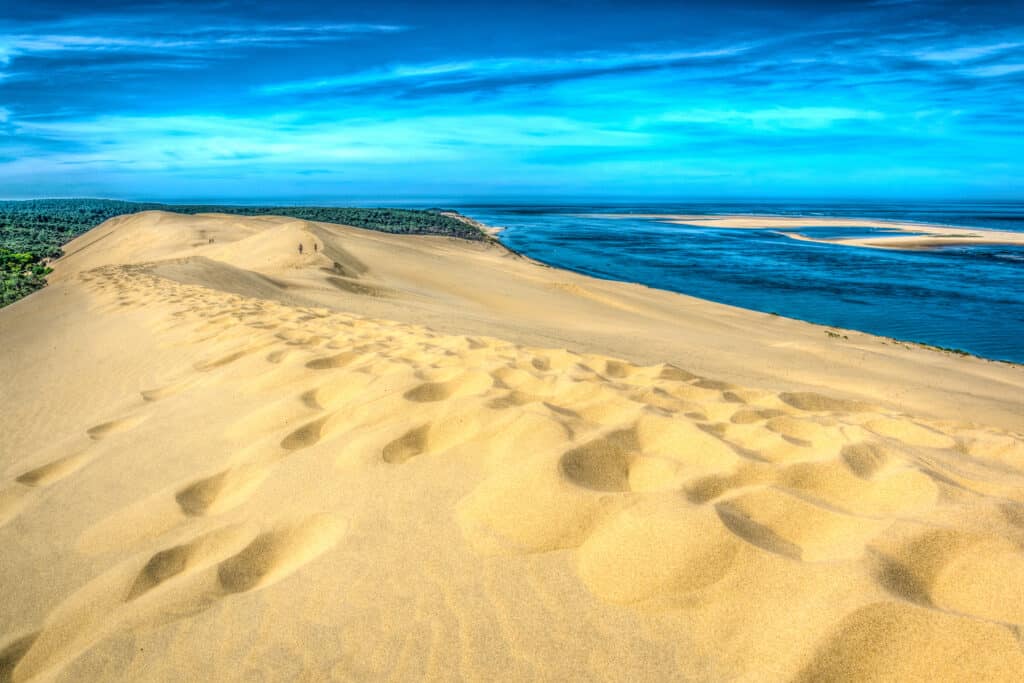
(217, 486)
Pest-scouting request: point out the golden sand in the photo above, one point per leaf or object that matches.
(228, 461)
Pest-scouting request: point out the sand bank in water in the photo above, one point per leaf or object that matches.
(209, 473)
(920, 235)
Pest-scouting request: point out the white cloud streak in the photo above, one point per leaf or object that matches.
(996, 70)
(966, 53)
(440, 73)
(200, 40)
(167, 142)
(775, 118)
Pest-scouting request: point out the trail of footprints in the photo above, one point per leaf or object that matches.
(664, 483)
(17, 495)
(178, 581)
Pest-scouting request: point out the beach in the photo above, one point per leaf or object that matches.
(416, 457)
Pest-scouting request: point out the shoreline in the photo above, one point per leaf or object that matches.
(825, 326)
(490, 230)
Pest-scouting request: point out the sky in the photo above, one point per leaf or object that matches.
(389, 101)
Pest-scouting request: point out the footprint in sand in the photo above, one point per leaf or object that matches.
(273, 555)
(272, 415)
(151, 395)
(708, 488)
(407, 446)
(967, 573)
(205, 366)
(603, 464)
(866, 458)
(222, 491)
(12, 653)
(25, 487)
(466, 385)
(168, 508)
(307, 435)
(102, 431)
(779, 522)
(332, 362)
(434, 437)
(279, 355)
(177, 581)
(902, 642)
(311, 399)
(656, 454)
(672, 373)
(188, 558)
(556, 359)
(51, 472)
(618, 369)
(748, 415)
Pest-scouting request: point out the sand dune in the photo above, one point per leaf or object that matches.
(407, 458)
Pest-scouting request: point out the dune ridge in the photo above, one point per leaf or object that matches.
(240, 486)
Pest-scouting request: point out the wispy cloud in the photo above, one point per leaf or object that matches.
(443, 73)
(162, 142)
(966, 53)
(187, 41)
(995, 70)
(773, 119)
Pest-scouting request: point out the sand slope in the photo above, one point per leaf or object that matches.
(221, 461)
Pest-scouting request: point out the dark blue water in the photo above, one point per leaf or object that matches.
(969, 298)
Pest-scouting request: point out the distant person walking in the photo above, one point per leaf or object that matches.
(316, 247)
(300, 248)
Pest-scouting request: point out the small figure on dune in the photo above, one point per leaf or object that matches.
(316, 247)
(300, 248)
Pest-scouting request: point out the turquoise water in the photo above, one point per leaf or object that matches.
(969, 298)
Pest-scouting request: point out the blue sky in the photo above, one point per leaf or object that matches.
(408, 100)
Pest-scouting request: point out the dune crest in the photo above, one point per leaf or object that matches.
(248, 484)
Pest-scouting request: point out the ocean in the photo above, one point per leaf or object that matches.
(966, 298)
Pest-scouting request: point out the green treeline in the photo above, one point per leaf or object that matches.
(21, 273)
(33, 231)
